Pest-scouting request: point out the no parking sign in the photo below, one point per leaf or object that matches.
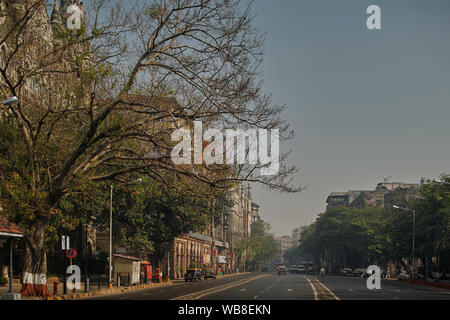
(71, 253)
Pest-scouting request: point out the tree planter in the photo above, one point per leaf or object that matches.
(35, 285)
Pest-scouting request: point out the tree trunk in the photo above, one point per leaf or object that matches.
(35, 266)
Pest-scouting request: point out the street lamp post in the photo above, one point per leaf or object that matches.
(110, 237)
(110, 230)
(213, 239)
(414, 237)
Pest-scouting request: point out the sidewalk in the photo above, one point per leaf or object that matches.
(435, 284)
(16, 289)
(104, 290)
(76, 294)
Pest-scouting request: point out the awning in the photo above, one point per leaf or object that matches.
(9, 229)
(126, 257)
(221, 244)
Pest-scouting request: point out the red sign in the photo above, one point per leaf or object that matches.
(214, 253)
(71, 253)
(148, 272)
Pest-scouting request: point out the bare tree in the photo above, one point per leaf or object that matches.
(100, 103)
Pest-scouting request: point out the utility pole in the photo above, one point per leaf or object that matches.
(413, 239)
(86, 279)
(110, 237)
(110, 228)
(213, 240)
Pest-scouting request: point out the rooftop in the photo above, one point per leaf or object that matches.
(9, 229)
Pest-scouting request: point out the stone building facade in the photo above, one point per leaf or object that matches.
(385, 195)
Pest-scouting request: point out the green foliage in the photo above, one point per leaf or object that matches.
(149, 215)
(345, 235)
(103, 256)
(296, 255)
(433, 222)
(262, 244)
(357, 237)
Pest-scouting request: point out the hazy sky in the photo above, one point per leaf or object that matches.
(364, 104)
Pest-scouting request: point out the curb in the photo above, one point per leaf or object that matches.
(439, 285)
(108, 291)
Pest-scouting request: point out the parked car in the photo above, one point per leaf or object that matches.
(346, 272)
(193, 274)
(209, 274)
(359, 273)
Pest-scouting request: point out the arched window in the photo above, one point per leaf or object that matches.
(3, 51)
(31, 84)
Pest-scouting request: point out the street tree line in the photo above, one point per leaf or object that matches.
(97, 106)
(352, 237)
(260, 248)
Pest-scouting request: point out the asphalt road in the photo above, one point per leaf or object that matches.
(270, 286)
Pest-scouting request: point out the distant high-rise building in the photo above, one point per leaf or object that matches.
(296, 235)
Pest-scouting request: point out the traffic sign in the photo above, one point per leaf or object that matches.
(71, 253)
(65, 241)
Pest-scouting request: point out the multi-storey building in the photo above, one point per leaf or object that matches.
(296, 235)
(284, 243)
(385, 194)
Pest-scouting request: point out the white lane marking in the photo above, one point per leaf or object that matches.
(242, 290)
(329, 291)
(351, 290)
(289, 290)
(202, 293)
(316, 297)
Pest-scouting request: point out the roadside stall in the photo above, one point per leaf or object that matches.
(127, 267)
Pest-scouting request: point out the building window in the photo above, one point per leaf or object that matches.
(31, 84)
